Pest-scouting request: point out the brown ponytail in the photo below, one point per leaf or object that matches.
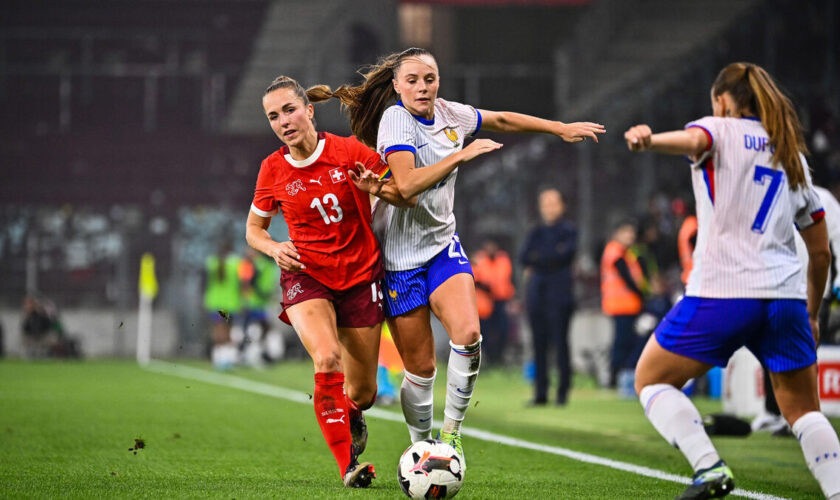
(753, 89)
(365, 103)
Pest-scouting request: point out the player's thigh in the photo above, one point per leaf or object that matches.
(659, 366)
(315, 323)
(454, 303)
(796, 392)
(412, 334)
(360, 356)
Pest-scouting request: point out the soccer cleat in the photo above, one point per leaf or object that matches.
(359, 475)
(768, 422)
(454, 440)
(358, 431)
(715, 482)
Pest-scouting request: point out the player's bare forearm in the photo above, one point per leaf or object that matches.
(411, 181)
(678, 142)
(689, 142)
(508, 121)
(256, 233)
(392, 195)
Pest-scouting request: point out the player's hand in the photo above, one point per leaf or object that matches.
(478, 147)
(815, 329)
(638, 138)
(366, 180)
(286, 256)
(579, 131)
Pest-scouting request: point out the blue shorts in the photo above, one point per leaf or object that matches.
(777, 331)
(410, 289)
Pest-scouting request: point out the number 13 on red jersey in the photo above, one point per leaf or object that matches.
(332, 201)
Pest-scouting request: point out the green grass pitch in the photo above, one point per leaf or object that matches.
(68, 429)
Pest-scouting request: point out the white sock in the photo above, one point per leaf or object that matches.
(417, 399)
(821, 449)
(679, 422)
(461, 372)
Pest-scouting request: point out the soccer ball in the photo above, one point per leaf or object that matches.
(430, 469)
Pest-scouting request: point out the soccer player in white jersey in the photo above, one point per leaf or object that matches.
(751, 184)
(397, 109)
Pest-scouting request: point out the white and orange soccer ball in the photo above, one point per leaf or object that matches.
(430, 469)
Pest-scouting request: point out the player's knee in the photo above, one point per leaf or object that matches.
(363, 396)
(638, 385)
(425, 368)
(640, 381)
(469, 336)
(327, 360)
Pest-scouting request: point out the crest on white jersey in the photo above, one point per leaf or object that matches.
(452, 135)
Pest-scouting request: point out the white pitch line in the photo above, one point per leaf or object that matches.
(255, 387)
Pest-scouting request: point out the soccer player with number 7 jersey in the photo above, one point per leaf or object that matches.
(331, 268)
(753, 190)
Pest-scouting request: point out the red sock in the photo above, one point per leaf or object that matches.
(353, 409)
(333, 416)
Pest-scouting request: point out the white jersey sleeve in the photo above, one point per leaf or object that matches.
(832, 220)
(714, 128)
(397, 132)
(809, 204)
(467, 116)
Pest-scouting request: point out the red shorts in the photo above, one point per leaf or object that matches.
(355, 307)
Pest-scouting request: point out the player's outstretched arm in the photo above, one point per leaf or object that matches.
(412, 181)
(507, 121)
(689, 142)
(284, 253)
(367, 181)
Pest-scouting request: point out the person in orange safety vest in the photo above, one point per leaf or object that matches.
(621, 296)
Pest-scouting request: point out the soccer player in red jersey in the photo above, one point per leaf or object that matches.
(331, 274)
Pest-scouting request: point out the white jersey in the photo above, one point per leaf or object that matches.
(410, 237)
(746, 213)
(832, 225)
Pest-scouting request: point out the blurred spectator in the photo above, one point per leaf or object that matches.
(493, 273)
(259, 278)
(43, 334)
(644, 249)
(547, 256)
(686, 241)
(621, 296)
(222, 300)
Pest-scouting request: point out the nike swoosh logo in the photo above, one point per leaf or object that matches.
(424, 419)
(422, 145)
(459, 390)
(461, 261)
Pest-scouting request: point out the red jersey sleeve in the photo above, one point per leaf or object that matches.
(371, 159)
(265, 203)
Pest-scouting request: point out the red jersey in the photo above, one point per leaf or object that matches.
(328, 217)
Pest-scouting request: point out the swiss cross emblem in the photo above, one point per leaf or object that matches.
(337, 175)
